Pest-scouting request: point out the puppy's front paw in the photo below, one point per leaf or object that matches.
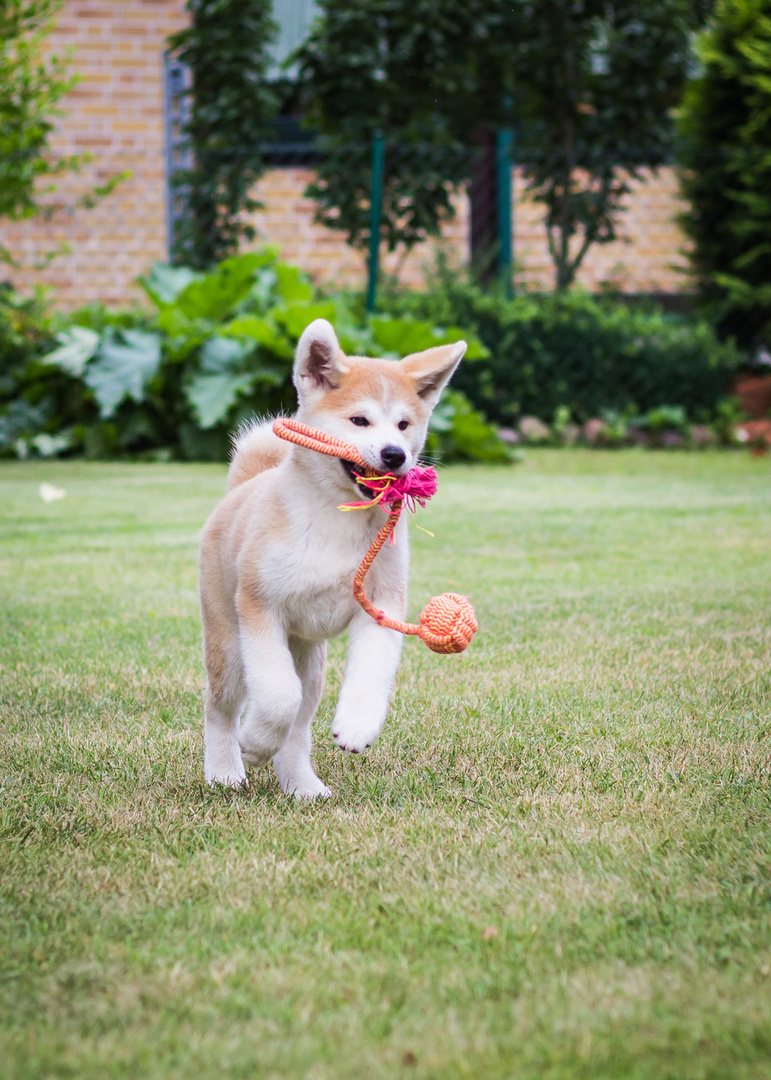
(229, 780)
(224, 768)
(311, 789)
(354, 736)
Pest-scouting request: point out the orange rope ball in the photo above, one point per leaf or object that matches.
(447, 622)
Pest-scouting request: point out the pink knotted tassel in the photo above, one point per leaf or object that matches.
(414, 488)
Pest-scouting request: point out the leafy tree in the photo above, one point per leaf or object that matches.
(231, 105)
(30, 89)
(591, 82)
(725, 153)
(598, 82)
(408, 70)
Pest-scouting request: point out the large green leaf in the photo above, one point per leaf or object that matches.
(163, 283)
(355, 341)
(401, 337)
(263, 331)
(77, 344)
(221, 354)
(441, 418)
(182, 337)
(293, 284)
(295, 317)
(263, 293)
(212, 396)
(123, 368)
(215, 295)
(270, 375)
(174, 324)
(250, 261)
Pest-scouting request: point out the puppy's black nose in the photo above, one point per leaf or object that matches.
(392, 457)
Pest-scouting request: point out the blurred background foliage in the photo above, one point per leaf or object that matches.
(588, 85)
(217, 349)
(231, 104)
(725, 155)
(572, 349)
(31, 87)
(589, 89)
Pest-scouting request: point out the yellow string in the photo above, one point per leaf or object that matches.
(426, 531)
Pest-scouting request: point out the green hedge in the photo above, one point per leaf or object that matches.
(577, 351)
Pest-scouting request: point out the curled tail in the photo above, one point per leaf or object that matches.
(255, 449)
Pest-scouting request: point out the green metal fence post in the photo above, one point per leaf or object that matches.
(376, 200)
(503, 157)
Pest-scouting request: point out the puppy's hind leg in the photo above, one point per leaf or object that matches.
(224, 699)
(293, 761)
(273, 687)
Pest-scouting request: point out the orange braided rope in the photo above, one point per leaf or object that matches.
(447, 623)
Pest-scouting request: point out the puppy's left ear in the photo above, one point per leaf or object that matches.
(433, 369)
(318, 364)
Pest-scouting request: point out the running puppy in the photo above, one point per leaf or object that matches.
(278, 560)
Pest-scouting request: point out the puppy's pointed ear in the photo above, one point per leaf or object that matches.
(433, 368)
(319, 361)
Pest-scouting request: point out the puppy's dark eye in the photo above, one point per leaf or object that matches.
(360, 421)
(403, 425)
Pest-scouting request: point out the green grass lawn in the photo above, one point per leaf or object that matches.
(555, 863)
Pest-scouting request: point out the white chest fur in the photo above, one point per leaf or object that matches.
(307, 575)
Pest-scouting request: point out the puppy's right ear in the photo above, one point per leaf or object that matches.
(319, 361)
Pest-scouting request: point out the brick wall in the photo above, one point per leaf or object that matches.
(647, 258)
(116, 114)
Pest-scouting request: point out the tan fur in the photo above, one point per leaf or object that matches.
(381, 380)
(255, 449)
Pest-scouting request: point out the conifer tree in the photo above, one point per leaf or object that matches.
(725, 155)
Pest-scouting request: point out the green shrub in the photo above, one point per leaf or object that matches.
(217, 350)
(28, 396)
(725, 129)
(457, 432)
(25, 330)
(575, 351)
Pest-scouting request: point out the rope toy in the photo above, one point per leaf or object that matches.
(447, 623)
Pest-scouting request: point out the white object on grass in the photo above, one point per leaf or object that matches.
(48, 493)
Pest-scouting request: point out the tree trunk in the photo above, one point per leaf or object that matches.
(483, 199)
